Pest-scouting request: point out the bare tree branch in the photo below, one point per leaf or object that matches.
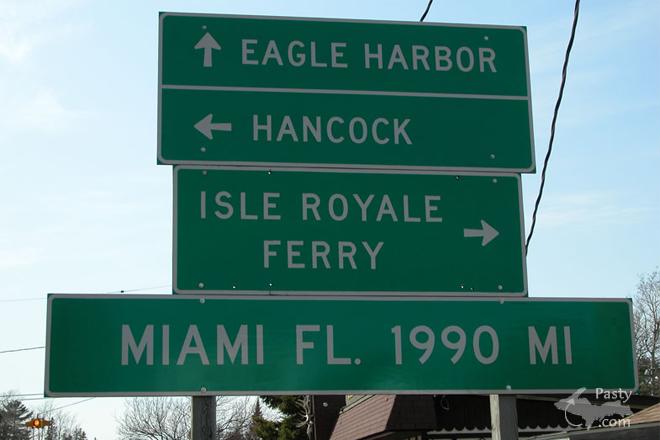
(169, 418)
(646, 318)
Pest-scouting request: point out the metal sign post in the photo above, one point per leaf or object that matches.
(503, 417)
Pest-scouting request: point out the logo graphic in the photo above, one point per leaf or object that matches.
(589, 412)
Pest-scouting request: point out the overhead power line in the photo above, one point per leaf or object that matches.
(30, 399)
(43, 298)
(426, 11)
(22, 349)
(59, 407)
(162, 286)
(139, 289)
(10, 395)
(70, 404)
(564, 70)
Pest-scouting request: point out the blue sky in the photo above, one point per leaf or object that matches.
(86, 209)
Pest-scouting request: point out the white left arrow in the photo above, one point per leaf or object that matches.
(206, 126)
(208, 43)
(487, 232)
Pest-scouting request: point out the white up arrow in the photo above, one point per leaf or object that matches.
(487, 232)
(206, 126)
(208, 43)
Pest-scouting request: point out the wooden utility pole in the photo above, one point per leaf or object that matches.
(203, 418)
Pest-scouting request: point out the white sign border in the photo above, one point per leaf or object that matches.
(347, 293)
(161, 87)
(53, 296)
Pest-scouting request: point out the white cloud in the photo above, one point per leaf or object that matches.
(604, 81)
(591, 209)
(14, 258)
(40, 111)
(12, 47)
(27, 29)
(28, 24)
(598, 32)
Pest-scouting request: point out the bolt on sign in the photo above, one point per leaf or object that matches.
(274, 91)
(282, 231)
(118, 345)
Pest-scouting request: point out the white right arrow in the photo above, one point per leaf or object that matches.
(206, 126)
(487, 232)
(208, 43)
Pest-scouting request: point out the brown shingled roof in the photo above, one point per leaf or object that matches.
(367, 417)
(648, 415)
(376, 414)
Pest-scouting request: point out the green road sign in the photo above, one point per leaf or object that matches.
(343, 93)
(283, 231)
(122, 345)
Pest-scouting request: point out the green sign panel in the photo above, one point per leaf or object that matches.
(280, 231)
(283, 91)
(122, 345)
